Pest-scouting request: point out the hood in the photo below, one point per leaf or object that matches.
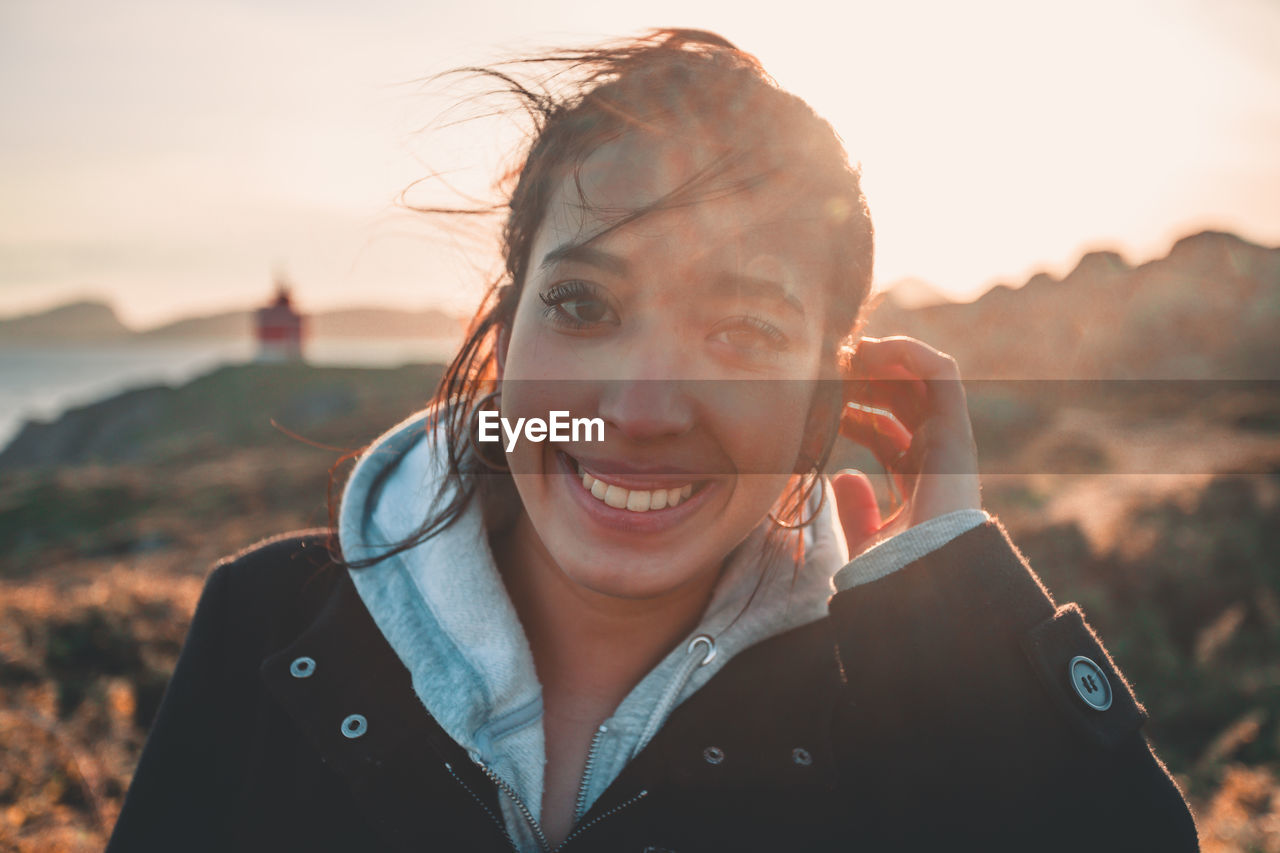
(444, 610)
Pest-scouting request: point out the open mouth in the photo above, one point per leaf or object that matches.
(632, 499)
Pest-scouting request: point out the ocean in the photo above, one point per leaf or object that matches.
(41, 382)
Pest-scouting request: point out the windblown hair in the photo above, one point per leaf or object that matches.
(674, 85)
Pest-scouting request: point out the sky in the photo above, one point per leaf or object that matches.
(172, 156)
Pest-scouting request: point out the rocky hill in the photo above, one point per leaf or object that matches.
(235, 406)
(89, 321)
(84, 321)
(1208, 310)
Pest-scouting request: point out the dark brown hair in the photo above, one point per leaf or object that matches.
(668, 82)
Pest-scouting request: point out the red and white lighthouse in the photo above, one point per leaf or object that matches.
(280, 328)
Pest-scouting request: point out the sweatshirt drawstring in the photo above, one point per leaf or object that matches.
(672, 693)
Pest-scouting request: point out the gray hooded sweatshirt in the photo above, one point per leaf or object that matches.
(444, 610)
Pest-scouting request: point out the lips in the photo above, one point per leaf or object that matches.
(635, 500)
(636, 493)
(634, 476)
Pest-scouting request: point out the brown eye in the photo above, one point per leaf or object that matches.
(751, 337)
(577, 304)
(585, 310)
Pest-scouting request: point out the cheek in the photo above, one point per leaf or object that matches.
(531, 352)
(759, 423)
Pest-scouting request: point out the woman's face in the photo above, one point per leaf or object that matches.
(695, 334)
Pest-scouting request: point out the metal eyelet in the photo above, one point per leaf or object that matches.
(713, 754)
(709, 642)
(801, 756)
(303, 667)
(354, 726)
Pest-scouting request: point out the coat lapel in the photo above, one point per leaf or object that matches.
(352, 697)
(761, 728)
(764, 723)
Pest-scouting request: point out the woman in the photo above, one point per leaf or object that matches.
(629, 640)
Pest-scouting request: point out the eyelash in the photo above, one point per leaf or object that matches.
(763, 326)
(776, 340)
(566, 291)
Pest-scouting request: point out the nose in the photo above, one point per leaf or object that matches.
(646, 400)
(643, 409)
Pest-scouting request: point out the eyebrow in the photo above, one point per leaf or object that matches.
(584, 254)
(758, 288)
(725, 284)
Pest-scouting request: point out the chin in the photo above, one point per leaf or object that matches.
(626, 575)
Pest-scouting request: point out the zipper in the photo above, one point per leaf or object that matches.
(581, 806)
(578, 830)
(541, 836)
(543, 843)
(692, 663)
(497, 820)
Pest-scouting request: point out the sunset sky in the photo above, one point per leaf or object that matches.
(168, 155)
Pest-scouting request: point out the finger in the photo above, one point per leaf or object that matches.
(856, 505)
(895, 390)
(888, 440)
(875, 356)
(880, 433)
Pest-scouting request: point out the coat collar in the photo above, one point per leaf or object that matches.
(761, 724)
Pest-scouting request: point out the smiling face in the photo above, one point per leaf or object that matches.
(652, 326)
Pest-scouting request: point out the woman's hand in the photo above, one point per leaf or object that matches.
(927, 446)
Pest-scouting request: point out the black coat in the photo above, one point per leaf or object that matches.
(932, 709)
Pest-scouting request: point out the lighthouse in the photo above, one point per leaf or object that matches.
(279, 328)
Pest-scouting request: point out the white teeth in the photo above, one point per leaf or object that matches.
(634, 500)
(616, 497)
